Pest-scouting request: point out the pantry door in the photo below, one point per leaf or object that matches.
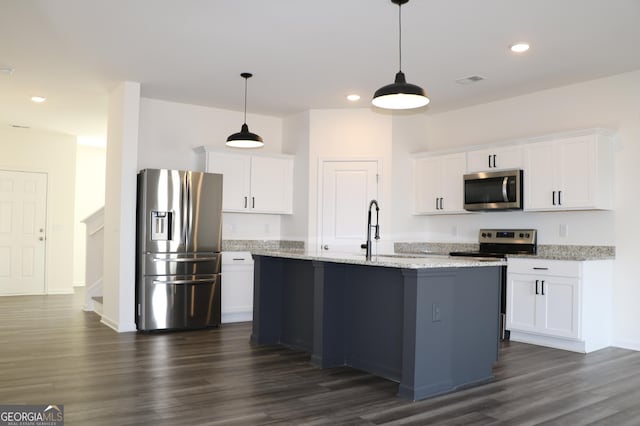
(347, 189)
(23, 200)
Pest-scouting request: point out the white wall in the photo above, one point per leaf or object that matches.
(89, 197)
(612, 103)
(120, 208)
(170, 132)
(350, 133)
(54, 154)
(296, 132)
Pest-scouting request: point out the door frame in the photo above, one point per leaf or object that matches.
(320, 186)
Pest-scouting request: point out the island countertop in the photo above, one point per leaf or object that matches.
(407, 261)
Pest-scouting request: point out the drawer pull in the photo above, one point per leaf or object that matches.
(540, 269)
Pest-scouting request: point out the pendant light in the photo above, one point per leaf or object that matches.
(400, 94)
(244, 138)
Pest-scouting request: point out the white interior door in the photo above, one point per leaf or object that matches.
(347, 189)
(23, 200)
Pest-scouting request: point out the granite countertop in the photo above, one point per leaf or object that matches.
(396, 260)
(545, 251)
(437, 251)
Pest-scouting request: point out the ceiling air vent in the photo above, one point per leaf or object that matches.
(6, 70)
(469, 80)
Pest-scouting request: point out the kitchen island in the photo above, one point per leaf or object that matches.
(429, 323)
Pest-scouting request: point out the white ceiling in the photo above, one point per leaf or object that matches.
(303, 54)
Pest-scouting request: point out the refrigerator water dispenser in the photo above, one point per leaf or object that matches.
(160, 225)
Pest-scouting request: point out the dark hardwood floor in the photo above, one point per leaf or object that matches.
(52, 352)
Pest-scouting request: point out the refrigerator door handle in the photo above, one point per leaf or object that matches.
(187, 207)
(196, 281)
(184, 259)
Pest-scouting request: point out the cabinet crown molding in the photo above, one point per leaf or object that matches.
(600, 131)
(216, 149)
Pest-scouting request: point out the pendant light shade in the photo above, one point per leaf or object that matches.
(244, 138)
(400, 94)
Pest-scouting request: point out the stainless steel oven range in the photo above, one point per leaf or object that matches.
(499, 243)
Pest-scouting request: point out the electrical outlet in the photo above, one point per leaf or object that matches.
(564, 230)
(435, 312)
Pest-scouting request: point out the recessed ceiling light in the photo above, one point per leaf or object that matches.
(38, 99)
(353, 97)
(519, 47)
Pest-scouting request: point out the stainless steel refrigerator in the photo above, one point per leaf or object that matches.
(179, 216)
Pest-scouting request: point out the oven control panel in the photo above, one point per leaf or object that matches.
(507, 236)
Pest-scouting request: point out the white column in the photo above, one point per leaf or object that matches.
(120, 207)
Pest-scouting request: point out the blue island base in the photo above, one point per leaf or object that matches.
(433, 330)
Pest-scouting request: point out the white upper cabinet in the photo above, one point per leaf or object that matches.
(498, 158)
(254, 183)
(438, 183)
(271, 184)
(574, 173)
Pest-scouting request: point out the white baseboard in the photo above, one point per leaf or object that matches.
(120, 328)
(551, 342)
(67, 291)
(627, 344)
(228, 317)
(109, 323)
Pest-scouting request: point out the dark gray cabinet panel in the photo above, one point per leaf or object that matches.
(433, 330)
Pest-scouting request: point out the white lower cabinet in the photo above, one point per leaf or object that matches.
(237, 286)
(561, 304)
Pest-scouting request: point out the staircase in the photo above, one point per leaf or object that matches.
(94, 224)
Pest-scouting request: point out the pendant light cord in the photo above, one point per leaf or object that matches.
(245, 99)
(400, 36)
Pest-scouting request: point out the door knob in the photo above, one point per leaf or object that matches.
(325, 247)
(41, 238)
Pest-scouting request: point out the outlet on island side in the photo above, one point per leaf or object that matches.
(435, 312)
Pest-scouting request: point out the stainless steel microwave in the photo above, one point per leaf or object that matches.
(501, 190)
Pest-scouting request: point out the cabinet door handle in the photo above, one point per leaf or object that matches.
(245, 202)
(537, 268)
(489, 159)
(494, 160)
(441, 203)
(253, 202)
(542, 287)
(537, 287)
(437, 206)
(559, 198)
(553, 197)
